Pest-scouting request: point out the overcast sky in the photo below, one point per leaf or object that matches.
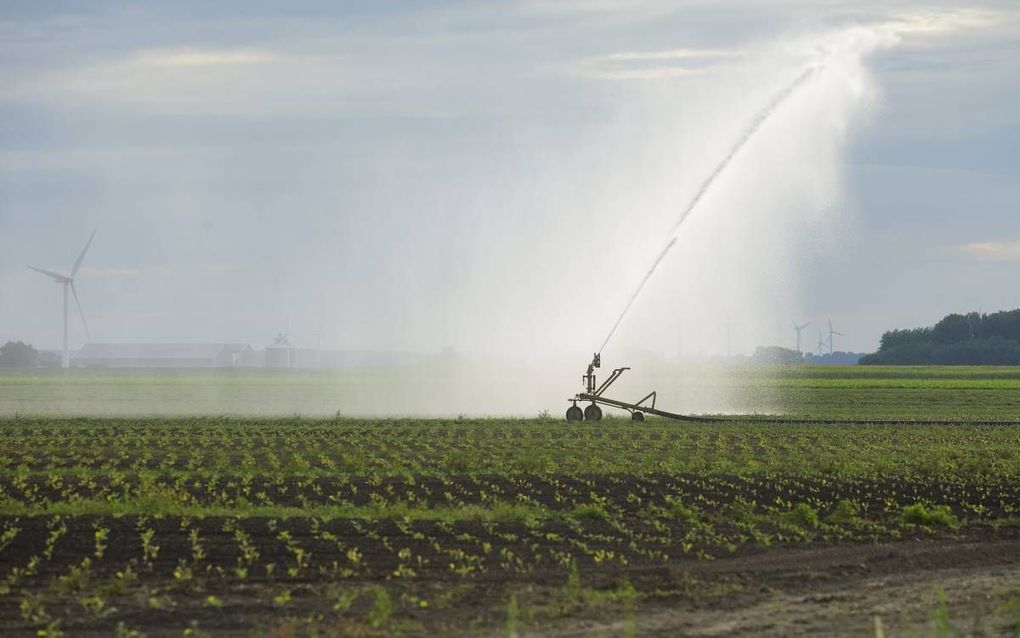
(411, 176)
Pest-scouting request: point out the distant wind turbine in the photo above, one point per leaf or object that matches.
(729, 338)
(831, 334)
(798, 330)
(68, 283)
(821, 344)
(318, 346)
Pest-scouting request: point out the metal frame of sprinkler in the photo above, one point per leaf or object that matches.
(594, 394)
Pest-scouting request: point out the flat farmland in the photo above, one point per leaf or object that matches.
(341, 526)
(473, 388)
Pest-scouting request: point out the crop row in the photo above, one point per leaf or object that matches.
(302, 448)
(395, 497)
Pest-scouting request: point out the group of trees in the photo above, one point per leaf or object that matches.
(16, 354)
(778, 355)
(970, 339)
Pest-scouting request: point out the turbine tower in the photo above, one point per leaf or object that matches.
(821, 344)
(831, 334)
(68, 282)
(318, 346)
(729, 338)
(798, 330)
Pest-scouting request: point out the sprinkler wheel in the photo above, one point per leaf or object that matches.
(637, 416)
(574, 413)
(593, 413)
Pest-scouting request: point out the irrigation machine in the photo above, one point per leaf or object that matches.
(594, 395)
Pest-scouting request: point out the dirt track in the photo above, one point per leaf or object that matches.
(840, 591)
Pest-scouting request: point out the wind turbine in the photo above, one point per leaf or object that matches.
(821, 344)
(729, 338)
(68, 283)
(318, 346)
(798, 329)
(831, 334)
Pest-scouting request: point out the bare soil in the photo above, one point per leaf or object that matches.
(846, 590)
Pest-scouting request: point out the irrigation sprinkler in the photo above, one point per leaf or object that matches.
(594, 395)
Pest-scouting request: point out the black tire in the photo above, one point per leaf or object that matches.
(638, 416)
(574, 413)
(593, 413)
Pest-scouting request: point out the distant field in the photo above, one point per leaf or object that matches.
(342, 526)
(937, 392)
(437, 390)
(851, 391)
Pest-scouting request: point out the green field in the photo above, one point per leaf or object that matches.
(341, 526)
(963, 393)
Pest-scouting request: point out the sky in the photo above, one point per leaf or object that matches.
(495, 177)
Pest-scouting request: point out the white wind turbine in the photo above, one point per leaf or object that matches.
(821, 344)
(798, 330)
(68, 283)
(832, 333)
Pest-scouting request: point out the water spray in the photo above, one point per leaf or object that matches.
(637, 291)
(753, 127)
(637, 409)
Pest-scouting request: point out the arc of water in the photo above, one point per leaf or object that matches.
(637, 292)
(748, 132)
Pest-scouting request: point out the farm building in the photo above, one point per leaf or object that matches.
(281, 354)
(164, 355)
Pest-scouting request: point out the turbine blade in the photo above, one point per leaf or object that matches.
(56, 275)
(77, 263)
(81, 313)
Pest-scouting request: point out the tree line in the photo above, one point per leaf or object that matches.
(969, 339)
(17, 354)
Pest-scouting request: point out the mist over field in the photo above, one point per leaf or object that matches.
(431, 389)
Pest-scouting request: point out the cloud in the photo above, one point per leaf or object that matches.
(652, 73)
(193, 57)
(224, 266)
(993, 251)
(926, 22)
(671, 54)
(652, 65)
(100, 272)
(583, 7)
(196, 81)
